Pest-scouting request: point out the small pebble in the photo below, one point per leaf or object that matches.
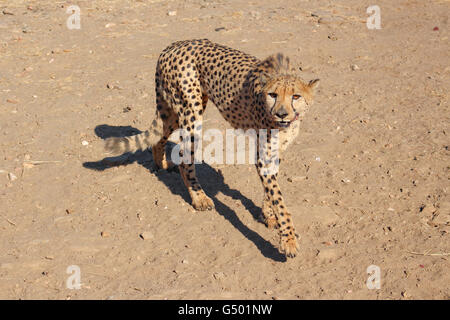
(328, 255)
(330, 20)
(84, 143)
(319, 13)
(255, 15)
(332, 37)
(296, 178)
(427, 210)
(146, 235)
(219, 275)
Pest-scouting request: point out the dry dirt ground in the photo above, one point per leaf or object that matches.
(367, 180)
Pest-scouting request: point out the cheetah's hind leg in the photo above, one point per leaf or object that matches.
(170, 124)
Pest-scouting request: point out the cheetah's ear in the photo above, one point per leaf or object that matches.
(314, 84)
(263, 79)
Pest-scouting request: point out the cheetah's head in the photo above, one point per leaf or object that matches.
(287, 98)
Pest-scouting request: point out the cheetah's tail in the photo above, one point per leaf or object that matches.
(140, 141)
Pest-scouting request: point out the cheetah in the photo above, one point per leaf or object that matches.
(248, 92)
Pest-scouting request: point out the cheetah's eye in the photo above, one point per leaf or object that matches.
(273, 95)
(296, 96)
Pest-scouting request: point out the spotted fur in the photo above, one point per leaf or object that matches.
(249, 93)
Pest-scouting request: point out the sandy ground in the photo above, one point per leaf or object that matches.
(367, 180)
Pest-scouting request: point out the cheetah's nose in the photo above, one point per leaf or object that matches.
(281, 113)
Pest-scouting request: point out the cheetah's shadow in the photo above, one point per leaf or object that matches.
(212, 182)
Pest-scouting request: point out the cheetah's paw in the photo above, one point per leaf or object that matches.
(289, 246)
(202, 203)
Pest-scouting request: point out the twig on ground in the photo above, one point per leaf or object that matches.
(427, 253)
(36, 162)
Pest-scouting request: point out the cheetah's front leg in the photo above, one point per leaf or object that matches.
(274, 208)
(268, 215)
(280, 217)
(191, 123)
